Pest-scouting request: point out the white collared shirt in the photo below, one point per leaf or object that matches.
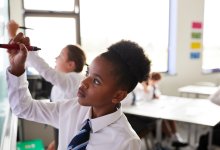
(65, 85)
(109, 132)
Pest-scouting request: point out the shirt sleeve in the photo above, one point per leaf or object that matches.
(215, 98)
(157, 91)
(133, 144)
(63, 80)
(24, 106)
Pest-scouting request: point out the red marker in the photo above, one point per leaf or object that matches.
(16, 46)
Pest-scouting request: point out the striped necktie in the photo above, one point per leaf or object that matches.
(80, 141)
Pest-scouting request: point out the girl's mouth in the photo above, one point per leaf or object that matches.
(81, 93)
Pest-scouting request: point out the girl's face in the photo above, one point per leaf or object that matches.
(62, 62)
(99, 88)
(153, 82)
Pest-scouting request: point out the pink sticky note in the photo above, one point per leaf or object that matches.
(197, 25)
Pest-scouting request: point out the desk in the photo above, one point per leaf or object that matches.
(197, 90)
(193, 111)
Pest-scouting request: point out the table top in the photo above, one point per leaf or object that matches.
(197, 89)
(195, 111)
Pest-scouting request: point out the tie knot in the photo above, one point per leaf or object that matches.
(87, 126)
(80, 141)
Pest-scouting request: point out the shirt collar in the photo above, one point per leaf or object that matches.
(103, 121)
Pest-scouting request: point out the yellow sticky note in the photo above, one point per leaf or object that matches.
(195, 45)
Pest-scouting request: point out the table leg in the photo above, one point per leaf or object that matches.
(196, 134)
(189, 133)
(159, 131)
(210, 138)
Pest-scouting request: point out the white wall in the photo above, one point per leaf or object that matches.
(188, 70)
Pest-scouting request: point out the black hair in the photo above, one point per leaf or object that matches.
(130, 63)
(76, 54)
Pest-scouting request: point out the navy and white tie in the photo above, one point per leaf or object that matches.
(80, 141)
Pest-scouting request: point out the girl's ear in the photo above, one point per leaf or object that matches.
(72, 65)
(119, 96)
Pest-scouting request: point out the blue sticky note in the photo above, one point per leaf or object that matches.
(195, 55)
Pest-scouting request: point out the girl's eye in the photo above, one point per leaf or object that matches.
(95, 81)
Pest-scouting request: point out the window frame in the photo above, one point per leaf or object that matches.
(62, 14)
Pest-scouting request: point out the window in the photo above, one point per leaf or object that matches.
(102, 23)
(4, 17)
(51, 35)
(211, 32)
(144, 21)
(52, 27)
(51, 5)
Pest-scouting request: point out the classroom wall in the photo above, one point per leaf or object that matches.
(188, 71)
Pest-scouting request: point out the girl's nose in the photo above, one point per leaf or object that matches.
(85, 83)
(85, 86)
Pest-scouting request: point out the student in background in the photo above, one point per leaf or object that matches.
(65, 78)
(152, 89)
(151, 86)
(111, 76)
(203, 141)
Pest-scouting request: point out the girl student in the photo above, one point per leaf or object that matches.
(111, 76)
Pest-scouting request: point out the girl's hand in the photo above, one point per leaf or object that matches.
(17, 58)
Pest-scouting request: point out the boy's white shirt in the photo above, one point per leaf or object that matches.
(215, 98)
(109, 132)
(140, 95)
(139, 92)
(65, 85)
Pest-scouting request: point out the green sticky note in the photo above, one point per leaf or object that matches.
(196, 35)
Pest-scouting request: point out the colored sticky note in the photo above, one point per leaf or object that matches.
(197, 25)
(196, 35)
(195, 55)
(195, 45)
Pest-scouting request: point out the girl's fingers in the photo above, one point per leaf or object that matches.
(23, 48)
(18, 38)
(26, 41)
